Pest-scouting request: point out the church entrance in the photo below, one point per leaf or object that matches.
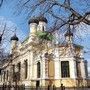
(37, 84)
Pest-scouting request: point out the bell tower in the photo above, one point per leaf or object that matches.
(69, 36)
(42, 23)
(33, 26)
(14, 41)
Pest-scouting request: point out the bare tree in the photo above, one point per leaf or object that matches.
(2, 33)
(63, 10)
(60, 13)
(2, 53)
(6, 32)
(1, 2)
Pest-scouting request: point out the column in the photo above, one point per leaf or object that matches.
(72, 67)
(82, 65)
(57, 69)
(30, 63)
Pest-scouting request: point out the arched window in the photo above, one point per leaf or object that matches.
(13, 71)
(7, 75)
(0, 71)
(4, 73)
(19, 67)
(38, 69)
(65, 69)
(19, 71)
(26, 68)
(43, 28)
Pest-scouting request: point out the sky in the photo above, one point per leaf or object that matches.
(8, 14)
(19, 21)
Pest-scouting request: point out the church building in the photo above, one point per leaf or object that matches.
(42, 62)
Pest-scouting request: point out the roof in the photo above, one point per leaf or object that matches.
(33, 20)
(14, 37)
(25, 40)
(64, 44)
(78, 46)
(37, 19)
(69, 33)
(42, 19)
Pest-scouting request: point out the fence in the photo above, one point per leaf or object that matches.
(12, 87)
(22, 87)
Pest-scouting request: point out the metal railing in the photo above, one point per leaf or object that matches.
(23, 87)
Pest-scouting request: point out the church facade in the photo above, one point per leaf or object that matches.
(42, 63)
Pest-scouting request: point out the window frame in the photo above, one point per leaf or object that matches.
(65, 69)
(26, 68)
(38, 69)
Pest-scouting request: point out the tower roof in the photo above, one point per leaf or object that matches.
(42, 18)
(69, 33)
(33, 20)
(14, 37)
(37, 19)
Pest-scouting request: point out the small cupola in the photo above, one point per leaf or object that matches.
(69, 33)
(42, 23)
(33, 23)
(43, 19)
(14, 42)
(33, 20)
(14, 38)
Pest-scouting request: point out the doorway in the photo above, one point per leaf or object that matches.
(37, 83)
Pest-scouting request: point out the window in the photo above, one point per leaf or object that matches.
(26, 68)
(13, 71)
(19, 67)
(43, 28)
(1, 77)
(7, 75)
(0, 71)
(86, 70)
(4, 76)
(38, 70)
(1, 74)
(65, 69)
(18, 73)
